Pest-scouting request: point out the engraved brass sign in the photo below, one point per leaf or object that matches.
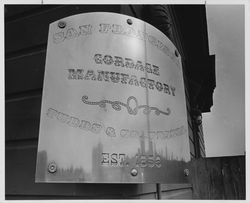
(113, 104)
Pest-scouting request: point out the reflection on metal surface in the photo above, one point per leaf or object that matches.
(113, 105)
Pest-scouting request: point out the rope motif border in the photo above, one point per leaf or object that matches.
(117, 105)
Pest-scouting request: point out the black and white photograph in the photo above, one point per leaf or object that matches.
(124, 101)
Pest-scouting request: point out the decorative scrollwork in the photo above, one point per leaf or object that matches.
(117, 105)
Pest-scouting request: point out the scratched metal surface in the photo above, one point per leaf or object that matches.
(113, 104)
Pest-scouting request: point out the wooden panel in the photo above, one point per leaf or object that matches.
(189, 119)
(170, 191)
(25, 73)
(218, 178)
(202, 147)
(203, 154)
(176, 31)
(188, 103)
(147, 196)
(20, 180)
(190, 132)
(34, 31)
(137, 9)
(177, 194)
(126, 9)
(14, 10)
(233, 178)
(17, 11)
(58, 197)
(168, 187)
(22, 117)
(191, 145)
(201, 138)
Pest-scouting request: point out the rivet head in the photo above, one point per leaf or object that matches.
(134, 172)
(52, 167)
(186, 172)
(61, 24)
(176, 53)
(129, 21)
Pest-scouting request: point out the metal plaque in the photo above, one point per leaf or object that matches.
(113, 104)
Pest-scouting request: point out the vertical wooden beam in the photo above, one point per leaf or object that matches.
(158, 190)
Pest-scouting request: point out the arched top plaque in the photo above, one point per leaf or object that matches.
(113, 104)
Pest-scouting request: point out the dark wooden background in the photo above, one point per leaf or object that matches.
(219, 178)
